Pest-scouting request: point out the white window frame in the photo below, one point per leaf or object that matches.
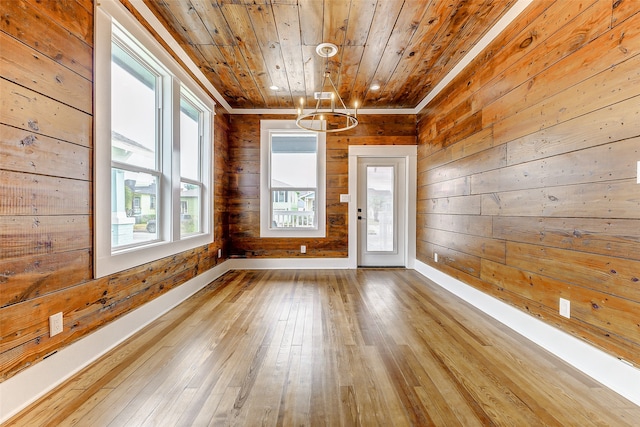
(169, 242)
(267, 128)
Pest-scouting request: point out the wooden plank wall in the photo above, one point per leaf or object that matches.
(244, 191)
(46, 233)
(527, 171)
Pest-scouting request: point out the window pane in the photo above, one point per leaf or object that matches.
(189, 140)
(380, 185)
(294, 160)
(293, 209)
(190, 196)
(133, 111)
(133, 211)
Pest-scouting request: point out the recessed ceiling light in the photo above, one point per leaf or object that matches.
(375, 86)
(274, 87)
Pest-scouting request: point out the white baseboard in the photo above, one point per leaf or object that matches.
(604, 368)
(26, 387)
(288, 263)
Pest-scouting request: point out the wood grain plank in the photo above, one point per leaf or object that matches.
(473, 144)
(462, 205)
(468, 263)
(77, 20)
(613, 237)
(606, 88)
(186, 19)
(27, 23)
(482, 247)
(606, 162)
(493, 158)
(26, 67)
(449, 46)
(614, 123)
(28, 110)
(615, 199)
(335, 21)
(213, 20)
(522, 35)
(266, 33)
(26, 236)
(432, 21)
(579, 26)
(288, 27)
(615, 276)
(405, 27)
(623, 9)
(25, 151)
(309, 12)
(28, 194)
(595, 308)
(224, 65)
(454, 187)
(28, 277)
(466, 224)
(239, 21)
(384, 18)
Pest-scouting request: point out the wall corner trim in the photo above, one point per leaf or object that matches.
(602, 367)
(27, 386)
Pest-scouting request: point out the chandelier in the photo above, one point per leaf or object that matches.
(343, 119)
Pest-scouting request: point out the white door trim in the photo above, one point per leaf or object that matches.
(410, 153)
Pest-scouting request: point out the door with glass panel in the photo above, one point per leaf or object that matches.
(381, 225)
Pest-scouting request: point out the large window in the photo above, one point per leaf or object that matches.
(292, 181)
(152, 151)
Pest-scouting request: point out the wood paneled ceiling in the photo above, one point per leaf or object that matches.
(244, 47)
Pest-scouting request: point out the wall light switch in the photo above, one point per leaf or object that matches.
(303, 249)
(219, 253)
(344, 198)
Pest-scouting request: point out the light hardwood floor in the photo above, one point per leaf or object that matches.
(328, 347)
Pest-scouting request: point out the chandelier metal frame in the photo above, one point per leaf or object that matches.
(313, 120)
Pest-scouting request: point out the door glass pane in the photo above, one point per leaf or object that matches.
(380, 208)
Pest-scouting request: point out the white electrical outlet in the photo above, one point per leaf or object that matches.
(435, 257)
(344, 198)
(565, 308)
(55, 324)
(219, 253)
(303, 249)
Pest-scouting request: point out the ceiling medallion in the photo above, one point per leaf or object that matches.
(314, 120)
